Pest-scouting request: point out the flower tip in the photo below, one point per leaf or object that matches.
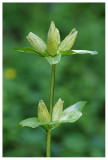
(60, 100)
(30, 33)
(52, 26)
(73, 31)
(52, 23)
(41, 101)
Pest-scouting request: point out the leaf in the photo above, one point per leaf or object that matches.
(85, 52)
(30, 122)
(54, 60)
(34, 122)
(72, 113)
(29, 50)
(71, 52)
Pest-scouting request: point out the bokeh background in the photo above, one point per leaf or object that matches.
(26, 79)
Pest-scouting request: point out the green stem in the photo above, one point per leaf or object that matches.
(48, 143)
(52, 89)
(51, 105)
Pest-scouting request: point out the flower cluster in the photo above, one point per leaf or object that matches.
(69, 115)
(53, 50)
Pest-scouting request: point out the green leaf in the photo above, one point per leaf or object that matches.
(72, 113)
(30, 122)
(71, 52)
(34, 122)
(54, 60)
(29, 50)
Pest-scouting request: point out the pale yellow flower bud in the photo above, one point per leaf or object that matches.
(57, 110)
(36, 42)
(53, 39)
(68, 42)
(43, 114)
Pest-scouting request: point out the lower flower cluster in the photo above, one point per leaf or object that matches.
(69, 115)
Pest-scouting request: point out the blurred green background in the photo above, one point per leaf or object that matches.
(26, 79)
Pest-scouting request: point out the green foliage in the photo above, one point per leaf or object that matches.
(71, 52)
(69, 115)
(78, 77)
(72, 113)
(34, 122)
(28, 50)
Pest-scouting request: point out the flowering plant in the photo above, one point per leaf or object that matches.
(52, 51)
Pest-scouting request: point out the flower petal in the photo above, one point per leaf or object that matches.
(43, 114)
(57, 110)
(68, 42)
(36, 42)
(53, 39)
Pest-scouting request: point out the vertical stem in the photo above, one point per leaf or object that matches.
(51, 105)
(52, 89)
(48, 143)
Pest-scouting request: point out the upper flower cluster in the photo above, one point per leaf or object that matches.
(53, 49)
(53, 46)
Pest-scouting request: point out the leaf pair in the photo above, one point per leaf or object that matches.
(56, 59)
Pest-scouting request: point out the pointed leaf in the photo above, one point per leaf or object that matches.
(85, 52)
(71, 52)
(72, 113)
(30, 122)
(29, 50)
(34, 122)
(54, 60)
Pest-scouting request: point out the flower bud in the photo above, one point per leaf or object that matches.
(43, 114)
(68, 42)
(57, 110)
(53, 39)
(36, 42)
